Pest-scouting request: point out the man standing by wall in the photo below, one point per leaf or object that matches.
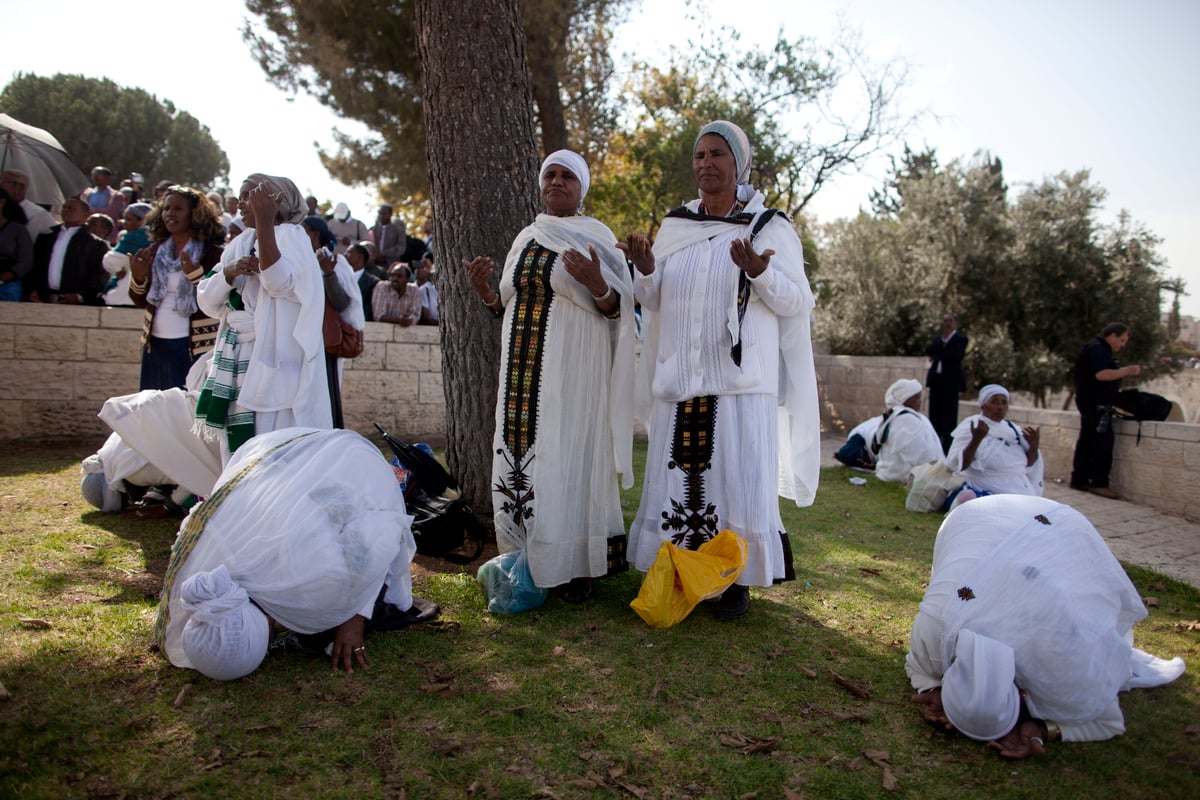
(945, 378)
(1097, 379)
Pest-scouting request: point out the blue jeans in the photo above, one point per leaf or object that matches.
(11, 291)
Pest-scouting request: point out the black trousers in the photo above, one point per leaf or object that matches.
(943, 409)
(1093, 453)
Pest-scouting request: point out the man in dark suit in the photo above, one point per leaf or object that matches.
(68, 261)
(389, 237)
(945, 378)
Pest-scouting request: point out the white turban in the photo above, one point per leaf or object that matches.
(900, 391)
(572, 161)
(979, 693)
(226, 637)
(341, 212)
(989, 391)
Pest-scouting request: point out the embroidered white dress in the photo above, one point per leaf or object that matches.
(747, 432)
(911, 440)
(564, 408)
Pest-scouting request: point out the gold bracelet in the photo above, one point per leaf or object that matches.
(1053, 732)
(137, 288)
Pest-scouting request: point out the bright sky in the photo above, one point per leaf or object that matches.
(1048, 87)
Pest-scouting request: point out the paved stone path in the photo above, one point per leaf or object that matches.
(1136, 534)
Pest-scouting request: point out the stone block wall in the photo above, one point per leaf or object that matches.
(850, 388)
(58, 364)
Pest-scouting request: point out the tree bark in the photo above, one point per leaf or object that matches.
(483, 163)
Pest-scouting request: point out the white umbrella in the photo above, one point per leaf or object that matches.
(52, 174)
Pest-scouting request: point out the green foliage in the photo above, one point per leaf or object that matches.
(125, 129)
(782, 96)
(1031, 279)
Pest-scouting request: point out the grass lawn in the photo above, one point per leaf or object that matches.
(563, 702)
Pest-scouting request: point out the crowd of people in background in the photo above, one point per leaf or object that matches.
(44, 258)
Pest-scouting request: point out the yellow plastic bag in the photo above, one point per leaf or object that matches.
(679, 579)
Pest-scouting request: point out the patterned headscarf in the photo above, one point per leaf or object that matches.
(292, 207)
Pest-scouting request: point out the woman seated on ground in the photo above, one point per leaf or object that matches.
(1025, 633)
(906, 437)
(268, 296)
(992, 454)
(342, 292)
(306, 531)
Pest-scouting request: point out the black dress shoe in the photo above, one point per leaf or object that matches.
(735, 602)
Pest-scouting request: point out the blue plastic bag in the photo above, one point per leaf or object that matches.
(508, 584)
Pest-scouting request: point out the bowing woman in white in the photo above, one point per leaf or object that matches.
(993, 454)
(734, 421)
(268, 369)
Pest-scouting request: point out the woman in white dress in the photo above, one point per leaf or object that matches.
(734, 421)
(564, 409)
(268, 371)
(993, 454)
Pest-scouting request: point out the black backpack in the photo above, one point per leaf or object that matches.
(444, 526)
(1143, 406)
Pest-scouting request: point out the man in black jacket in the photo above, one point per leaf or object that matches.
(945, 378)
(1097, 380)
(68, 261)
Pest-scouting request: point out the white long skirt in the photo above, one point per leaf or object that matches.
(691, 493)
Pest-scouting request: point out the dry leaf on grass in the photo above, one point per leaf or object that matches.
(791, 794)
(844, 716)
(1150, 602)
(181, 698)
(32, 623)
(880, 759)
(749, 744)
(1157, 586)
(856, 689)
(559, 650)
(1190, 625)
(436, 688)
(870, 570)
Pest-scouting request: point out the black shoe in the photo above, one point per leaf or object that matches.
(579, 590)
(735, 602)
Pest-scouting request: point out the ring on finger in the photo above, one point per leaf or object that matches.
(360, 649)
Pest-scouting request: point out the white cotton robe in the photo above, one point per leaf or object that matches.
(311, 523)
(1035, 575)
(911, 440)
(284, 307)
(766, 430)
(999, 464)
(564, 420)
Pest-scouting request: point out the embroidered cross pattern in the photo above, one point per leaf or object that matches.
(966, 594)
(1042, 519)
(693, 520)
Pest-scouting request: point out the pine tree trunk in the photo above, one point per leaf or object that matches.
(483, 165)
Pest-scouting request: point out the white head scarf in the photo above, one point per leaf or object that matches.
(572, 161)
(739, 144)
(900, 391)
(989, 391)
(979, 693)
(341, 212)
(226, 637)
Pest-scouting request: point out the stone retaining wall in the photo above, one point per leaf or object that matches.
(1159, 472)
(58, 364)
